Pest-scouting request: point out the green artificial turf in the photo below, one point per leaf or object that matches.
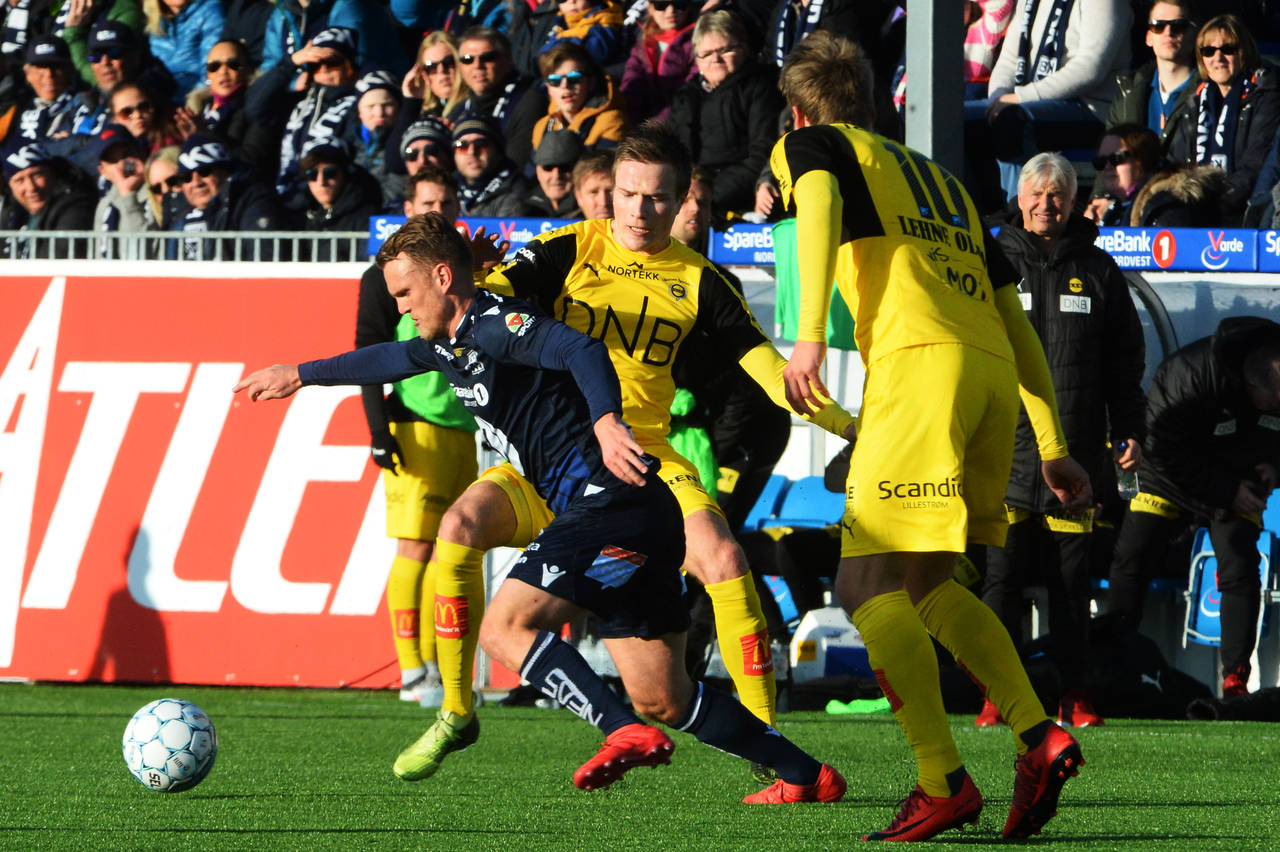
(311, 769)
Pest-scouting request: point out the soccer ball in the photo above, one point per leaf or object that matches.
(169, 745)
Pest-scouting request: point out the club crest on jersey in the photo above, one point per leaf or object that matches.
(517, 323)
(678, 290)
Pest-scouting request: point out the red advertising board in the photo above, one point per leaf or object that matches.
(155, 528)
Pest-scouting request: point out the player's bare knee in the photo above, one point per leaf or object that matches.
(715, 560)
(658, 706)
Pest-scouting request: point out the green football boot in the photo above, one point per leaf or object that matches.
(449, 733)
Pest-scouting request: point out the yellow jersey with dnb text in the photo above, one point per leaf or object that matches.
(642, 306)
(913, 257)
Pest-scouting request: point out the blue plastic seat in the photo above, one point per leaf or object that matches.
(1203, 624)
(808, 503)
(766, 505)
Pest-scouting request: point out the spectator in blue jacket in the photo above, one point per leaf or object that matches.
(182, 32)
(294, 23)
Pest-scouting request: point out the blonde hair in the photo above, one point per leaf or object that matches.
(430, 103)
(168, 154)
(828, 78)
(156, 13)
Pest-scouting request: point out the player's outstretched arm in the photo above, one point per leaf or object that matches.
(622, 455)
(275, 382)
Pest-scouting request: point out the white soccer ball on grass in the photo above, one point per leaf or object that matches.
(170, 745)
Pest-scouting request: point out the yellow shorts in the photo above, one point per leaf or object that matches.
(935, 444)
(436, 465)
(532, 514)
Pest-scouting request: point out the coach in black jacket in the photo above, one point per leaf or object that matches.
(1079, 304)
(1212, 452)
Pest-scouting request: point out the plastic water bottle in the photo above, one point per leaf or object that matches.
(1126, 480)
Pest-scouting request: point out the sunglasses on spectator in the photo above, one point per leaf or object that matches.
(486, 58)
(573, 78)
(323, 173)
(412, 155)
(446, 64)
(330, 62)
(169, 184)
(664, 5)
(183, 179)
(216, 65)
(718, 53)
(476, 145)
(1208, 50)
(140, 107)
(1114, 159)
(109, 53)
(1177, 26)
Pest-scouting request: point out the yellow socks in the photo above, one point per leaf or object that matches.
(426, 605)
(402, 601)
(459, 607)
(744, 644)
(975, 637)
(904, 663)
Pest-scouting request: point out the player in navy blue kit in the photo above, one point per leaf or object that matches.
(548, 398)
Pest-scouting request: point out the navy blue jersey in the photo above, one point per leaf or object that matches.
(534, 385)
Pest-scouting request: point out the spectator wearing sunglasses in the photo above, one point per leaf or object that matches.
(1158, 94)
(114, 55)
(164, 191)
(295, 23)
(321, 103)
(661, 60)
(553, 161)
(434, 84)
(728, 114)
(218, 198)
(582, 99)
(1236, 112)
(1128, 157)
(427, 142)
(489, 184)
(340, 195)
(85, 15)
(596, 25)
(219, 108)
(499, 91)
(181, 33)
(147, 117)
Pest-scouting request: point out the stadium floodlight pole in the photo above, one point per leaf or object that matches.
(935, 91)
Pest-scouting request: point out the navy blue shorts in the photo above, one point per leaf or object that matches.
(617, 554)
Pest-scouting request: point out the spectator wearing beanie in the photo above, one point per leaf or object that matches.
(45, 197)
(489, 184)
(340, 196)
(377, 106)
(219, 199)
(125, 207)
(114, 54)
(553, 162)
(426, 142)
(325, 108)
(295, 23)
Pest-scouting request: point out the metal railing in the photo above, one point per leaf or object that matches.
(251, 246)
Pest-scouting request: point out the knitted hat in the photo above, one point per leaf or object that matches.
(19, 157)
(473, 122)
(341, 39)
(201, 150)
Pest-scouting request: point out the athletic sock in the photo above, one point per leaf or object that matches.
(402, 602)
(720, 722)
(559, 671)
(458, 607)
(906, 667)
(744, 644)
(426, 606)
(981, 645)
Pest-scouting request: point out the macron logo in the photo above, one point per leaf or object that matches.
(550, 573)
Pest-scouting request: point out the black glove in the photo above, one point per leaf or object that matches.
(385, 451)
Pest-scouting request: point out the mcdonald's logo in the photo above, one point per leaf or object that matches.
(452, 620)
(757, 659)
(406, 623)
(895, 703)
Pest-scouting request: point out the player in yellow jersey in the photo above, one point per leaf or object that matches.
(627, 282)
(947, 348)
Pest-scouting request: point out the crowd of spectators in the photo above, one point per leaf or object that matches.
(336, 103)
